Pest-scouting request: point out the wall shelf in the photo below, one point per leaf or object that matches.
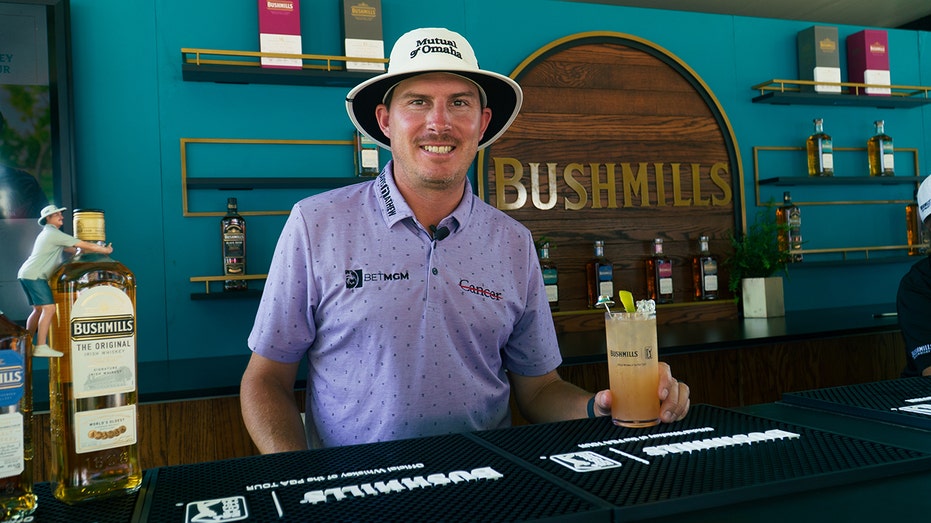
(846, 260)
(226, 295)
(247, 184)
(250, 294)
(244, 67)
(790, 92)
(787, 181)
(831, 181)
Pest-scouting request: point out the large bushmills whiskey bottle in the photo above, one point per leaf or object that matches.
(93, 386)
(599, 275)
(233, 236)
(17, 499)
(820, 151)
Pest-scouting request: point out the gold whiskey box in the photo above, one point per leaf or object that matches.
(362, 34)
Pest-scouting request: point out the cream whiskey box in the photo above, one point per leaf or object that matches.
(868, 60)
(819, 58)
(362, 34)
(280, 32)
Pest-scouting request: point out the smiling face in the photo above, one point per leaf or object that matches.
(56, 220)
(434, 122)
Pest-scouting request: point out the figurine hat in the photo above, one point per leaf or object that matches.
(428, 50)
(924, 199)
(47, 211)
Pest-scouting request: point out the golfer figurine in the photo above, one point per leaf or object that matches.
(35, 271)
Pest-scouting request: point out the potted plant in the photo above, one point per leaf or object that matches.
(755, 264)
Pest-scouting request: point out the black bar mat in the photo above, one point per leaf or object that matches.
(119, 509)
(444, 478)
(713, 458)
(905, 401)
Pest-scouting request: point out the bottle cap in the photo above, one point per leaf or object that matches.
(89, 225)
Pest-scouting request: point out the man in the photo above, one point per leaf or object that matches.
(913, 301)
(419, 307)
(34, 273)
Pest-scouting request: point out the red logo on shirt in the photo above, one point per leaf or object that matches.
(481, 291)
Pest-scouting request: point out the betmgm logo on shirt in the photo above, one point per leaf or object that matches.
(356, 277)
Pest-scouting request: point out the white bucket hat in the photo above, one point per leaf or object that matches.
(924, 199)
(434, 50)
(47, 211)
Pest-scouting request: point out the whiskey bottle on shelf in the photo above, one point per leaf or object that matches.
(17, 498)
(550, 277)
(366, 158)
(789, 217)
(880, 152)
(599, 275)
(915, 230)
(93, 386)
(233, 236)
(820, 151)
(659, 274)
(705, 272)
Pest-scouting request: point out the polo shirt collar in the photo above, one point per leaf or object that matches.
(395, 209)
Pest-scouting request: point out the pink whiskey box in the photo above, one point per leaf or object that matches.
(868, 60)
(280, 32)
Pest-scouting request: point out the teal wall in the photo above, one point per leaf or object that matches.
(132, 108)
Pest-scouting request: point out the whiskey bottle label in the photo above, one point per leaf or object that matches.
(103, 343)
(234, 241)
(11, 450)
(103, 429)
(12, 378)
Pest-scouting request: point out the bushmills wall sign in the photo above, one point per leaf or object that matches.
(618, 140)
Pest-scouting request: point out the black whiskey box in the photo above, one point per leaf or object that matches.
(362, 34)
(819, 58)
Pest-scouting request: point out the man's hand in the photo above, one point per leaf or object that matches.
(673, 394)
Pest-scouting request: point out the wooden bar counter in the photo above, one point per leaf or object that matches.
(189, 409)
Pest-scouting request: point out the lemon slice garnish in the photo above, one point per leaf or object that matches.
(627, 299)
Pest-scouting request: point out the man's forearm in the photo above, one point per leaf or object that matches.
(272, 418)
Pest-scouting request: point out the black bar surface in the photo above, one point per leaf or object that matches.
(615, 464)
(905, 401)
(442, 478)
(118, 509)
